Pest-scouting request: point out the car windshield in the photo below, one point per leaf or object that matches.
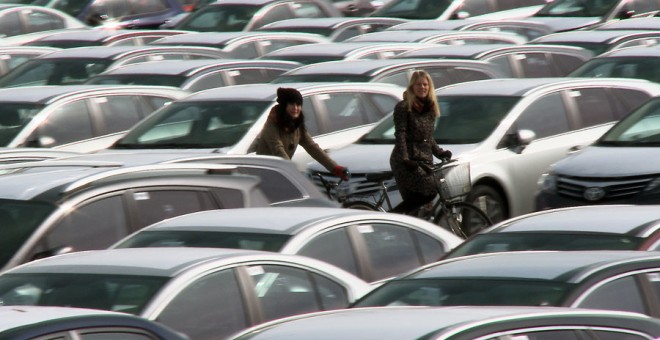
(206, 239)
(463, 120)
(413, 9)
(192, 124)
(18, 220)
(466, 291)
(14, 117)
(639, 128)
(224, 18)
(499, 242)
(331, 77)
(138, 79)
(577, 8)
(120, 293)
(640, 68)
(54, 72)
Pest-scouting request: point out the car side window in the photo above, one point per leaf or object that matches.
(119, 113)
(546, 116)
(155, 205)
(399, 78)
(42, 21)
(307, 9)
(284, 291)
(503, 64)
(246, 76)
(627, 100)
(249, 50)
(68, 123)
(333, 247)
(311, 116)
(219, 296)
(430, 248)
(566, 63)
(384, 103)
(593, 105)
(268, 46)
(534, 65)
(620, 294)
(618, 334)
(10, 24)
(477, 7)
(93, 225)
(642, 6)
(463, 74)
(390, 248)
(344, 111)
(275, 13)
(109, 333)
(208, 81)
(549, 334)
(654, 281)
(275, 185)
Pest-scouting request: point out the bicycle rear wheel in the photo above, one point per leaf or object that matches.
(465, 218)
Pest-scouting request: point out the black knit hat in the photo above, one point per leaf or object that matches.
(287, 95)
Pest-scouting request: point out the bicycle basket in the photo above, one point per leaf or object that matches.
(453, 180)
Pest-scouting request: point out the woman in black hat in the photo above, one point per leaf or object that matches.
(285, 130)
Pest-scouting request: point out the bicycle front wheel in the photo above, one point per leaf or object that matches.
(466, 216)
(361, 206)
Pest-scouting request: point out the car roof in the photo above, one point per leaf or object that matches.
(111, 52)
(563, 266)
(522, 86)
(652, 23)
(634, 51)
(336, 48)
(165, 262)
(329, 22)
(634, 220)
(400, 35)
(180, 67)
(12, 317)
(603, 36)
(464, 51)
(416, 322)
(244, 2)
(271, 220)
(47, 93)
(224, 38)
(94, 35)
(371, 67)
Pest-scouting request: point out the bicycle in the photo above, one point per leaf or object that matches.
(452, 180)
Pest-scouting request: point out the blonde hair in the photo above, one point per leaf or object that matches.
(409, 95)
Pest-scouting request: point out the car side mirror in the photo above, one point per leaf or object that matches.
(517, 140)
(462, 15)
(625, 14)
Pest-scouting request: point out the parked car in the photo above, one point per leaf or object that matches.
(16, 19)
(597, 227)
(446, 10)
(12, 56)
(49, 209)
(341, 51)
(203, 293)
(392, 71)
(610, 280)
(600, 41)
(371, 245)
(18, 155)
(335, 28)
(101, 37)
(249, 15)
(441, 37)
(527, 28)
(569, 15)
(509, 130)
(357, 8)
(69, 116)
(42, 322)
(242, 45)
(75, 65)
(459, 323)
(633, 62)
(618, 168)
(643, 23)
(229, 119)
(517, 61)
(195, 75)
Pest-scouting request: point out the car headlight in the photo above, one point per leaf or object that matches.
(548, 182)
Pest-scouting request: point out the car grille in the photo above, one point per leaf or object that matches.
(357, 186)
(613, 188)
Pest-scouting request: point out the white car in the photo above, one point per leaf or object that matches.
(510, 130)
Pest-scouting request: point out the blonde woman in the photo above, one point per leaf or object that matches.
(414, 144)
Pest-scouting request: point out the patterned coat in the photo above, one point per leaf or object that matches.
(413, 133)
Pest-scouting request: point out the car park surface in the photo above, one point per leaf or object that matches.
(243, 45)
(335, 28)
(48, 210)
(73, 116)
(195, 75)
(639, 62)
(203, 293)
(392, 71)
(371, 245)
(458, 323)
(619, 168)
(501, 126)
(599, 227)
(232, 117)
(44, 322)
(610, 280)
(76, 65)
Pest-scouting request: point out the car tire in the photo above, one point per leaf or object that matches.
(489, 201)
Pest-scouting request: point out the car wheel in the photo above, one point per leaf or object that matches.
(489, 201)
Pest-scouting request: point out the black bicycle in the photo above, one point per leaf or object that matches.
(452, 180)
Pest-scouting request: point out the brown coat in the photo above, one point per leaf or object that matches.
(275, 141)
(413, 140)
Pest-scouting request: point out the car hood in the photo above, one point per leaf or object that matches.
(598, 161)
(365, 158)
(566, 24)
